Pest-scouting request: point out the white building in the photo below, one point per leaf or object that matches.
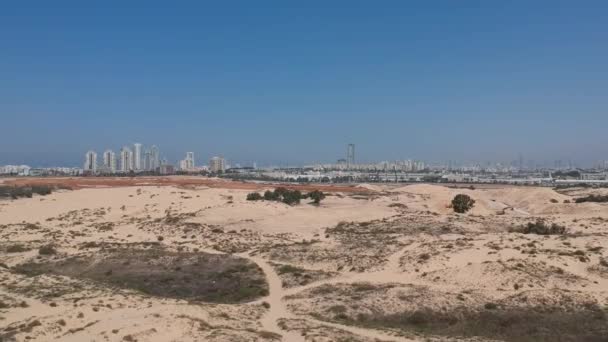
(217, 164)
(126, 159)
(188, 163)
(109, 161)
(90, 163)
(137, 156)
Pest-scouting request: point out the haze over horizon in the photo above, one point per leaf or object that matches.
(275, 82)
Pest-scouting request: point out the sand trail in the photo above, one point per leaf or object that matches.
(278, 309)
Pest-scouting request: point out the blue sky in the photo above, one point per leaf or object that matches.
(294, 82)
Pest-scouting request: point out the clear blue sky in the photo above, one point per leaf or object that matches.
(286, 81)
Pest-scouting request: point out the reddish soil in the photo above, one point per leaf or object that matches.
(179, 181)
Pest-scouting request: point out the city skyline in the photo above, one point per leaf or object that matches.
(150, 158)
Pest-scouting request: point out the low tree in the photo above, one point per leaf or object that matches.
(316, 196)
(280, 192)
(462, 203)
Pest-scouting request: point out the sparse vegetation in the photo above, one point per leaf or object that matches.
(541, 228)
(16, 248)
(511, 325)
(15, 192)
(462, 203)
(281, 194)
(592, 198)
(199, 276)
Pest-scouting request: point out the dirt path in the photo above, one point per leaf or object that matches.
(278, 309)
(275, 299)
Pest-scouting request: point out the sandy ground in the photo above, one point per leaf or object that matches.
(371, 263)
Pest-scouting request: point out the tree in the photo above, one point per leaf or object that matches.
(462, 203)
(280, 191)
(316, 196)
(254, 196)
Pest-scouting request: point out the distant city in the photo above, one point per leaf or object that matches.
(137, 160)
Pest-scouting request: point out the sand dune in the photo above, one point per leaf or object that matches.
(391, 264)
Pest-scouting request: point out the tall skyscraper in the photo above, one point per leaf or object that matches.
(90, 163)
(109, 161)
(154, 158)
(350, 155)
(137, 156)
(126, 159)
(217, 164)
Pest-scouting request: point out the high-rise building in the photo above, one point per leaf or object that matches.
(187, 164)
(126, 159)
(137, 156)
(109, 161)
(350, 155)
(217, 164)
(154, 158)
(190, 159)
(147, 160)
(90, 163)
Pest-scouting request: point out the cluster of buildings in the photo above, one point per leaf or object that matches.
(25, 170)
(137, 159)
(128, 159)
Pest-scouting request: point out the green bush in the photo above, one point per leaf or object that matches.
(316, 196)
(292, 197)
(462, 203)
(254, 196)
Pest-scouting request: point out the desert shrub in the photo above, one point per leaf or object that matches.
(541, 228)
(271, 195)
(285, 269)
(316, 196)
(462, 203)
(254, 196)
(292, 197)
(47, 250)
(593, 198)
(553, 200)
(491, 306)
(17, 248)
(15, 192)
(42, 190)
